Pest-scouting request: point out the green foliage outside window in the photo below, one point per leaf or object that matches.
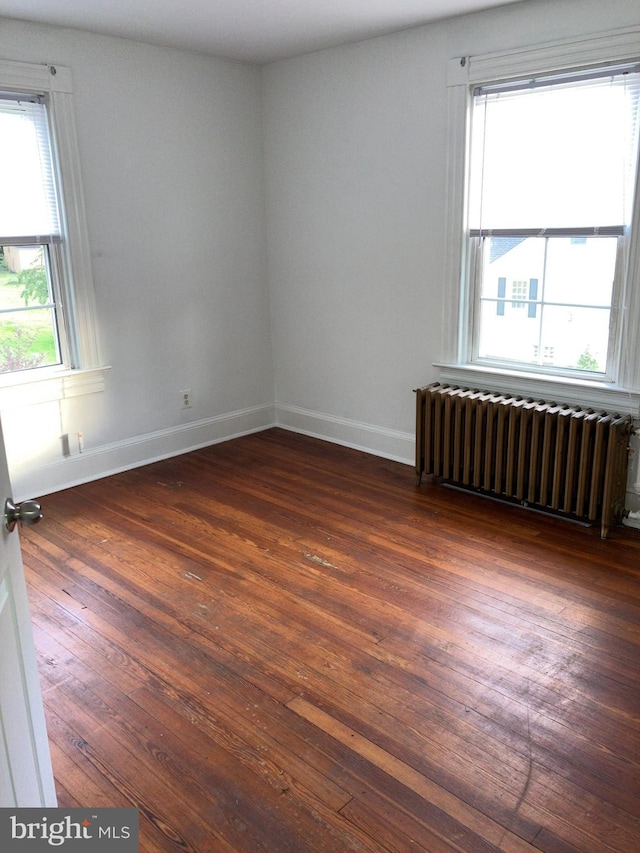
(26, 338)
(587, 361)
(35, 287)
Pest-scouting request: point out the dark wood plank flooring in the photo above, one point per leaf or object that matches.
(278, 644)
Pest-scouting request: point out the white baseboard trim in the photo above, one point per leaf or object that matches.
(108, 459)
(632, 500)
(145, 449)
(151, 447)
(390, 444)
(632, 503)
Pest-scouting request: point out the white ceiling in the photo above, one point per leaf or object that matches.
(249, 30)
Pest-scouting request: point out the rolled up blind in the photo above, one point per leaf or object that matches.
(555, 154)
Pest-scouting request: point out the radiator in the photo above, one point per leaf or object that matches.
(564, 459)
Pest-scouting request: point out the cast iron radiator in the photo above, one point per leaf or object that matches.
(564, 459)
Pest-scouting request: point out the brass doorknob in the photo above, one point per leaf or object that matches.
(28, 512)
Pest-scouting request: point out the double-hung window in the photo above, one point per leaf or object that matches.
(543, 231)
(31, 320)
(552, 172)
(47, 315)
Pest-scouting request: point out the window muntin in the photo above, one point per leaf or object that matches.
(550, 195)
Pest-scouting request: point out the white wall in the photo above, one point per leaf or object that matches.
(171, 155)
(355, 141)
(355, 188)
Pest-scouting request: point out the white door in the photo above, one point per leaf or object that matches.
(26, 777)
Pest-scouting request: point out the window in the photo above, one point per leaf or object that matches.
(543, 235)
(548, 354)
(30, 312)
(567, 176)
(47, 315)
(518, 293)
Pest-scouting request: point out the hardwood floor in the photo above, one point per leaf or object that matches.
(277, 644)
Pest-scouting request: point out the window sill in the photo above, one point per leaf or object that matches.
(45, 386)
(581, 392)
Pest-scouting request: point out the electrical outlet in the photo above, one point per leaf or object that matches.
(185, 397)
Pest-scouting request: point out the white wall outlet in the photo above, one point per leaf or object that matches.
(185, 397)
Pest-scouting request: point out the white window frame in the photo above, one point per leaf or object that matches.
(463, 74)
(82, 373)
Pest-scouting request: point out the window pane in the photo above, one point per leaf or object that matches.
(547, 301)
(28, 328)
(580, 271)
(516, 259)
(578, 337)
(509, 336)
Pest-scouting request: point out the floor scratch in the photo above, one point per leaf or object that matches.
(191, 576)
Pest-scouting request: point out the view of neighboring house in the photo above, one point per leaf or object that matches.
(542, 300)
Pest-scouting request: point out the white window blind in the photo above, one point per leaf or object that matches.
(555, 154)
(28, 199)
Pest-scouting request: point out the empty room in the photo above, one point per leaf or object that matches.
(320, 403)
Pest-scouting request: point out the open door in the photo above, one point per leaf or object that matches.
(26, 777)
